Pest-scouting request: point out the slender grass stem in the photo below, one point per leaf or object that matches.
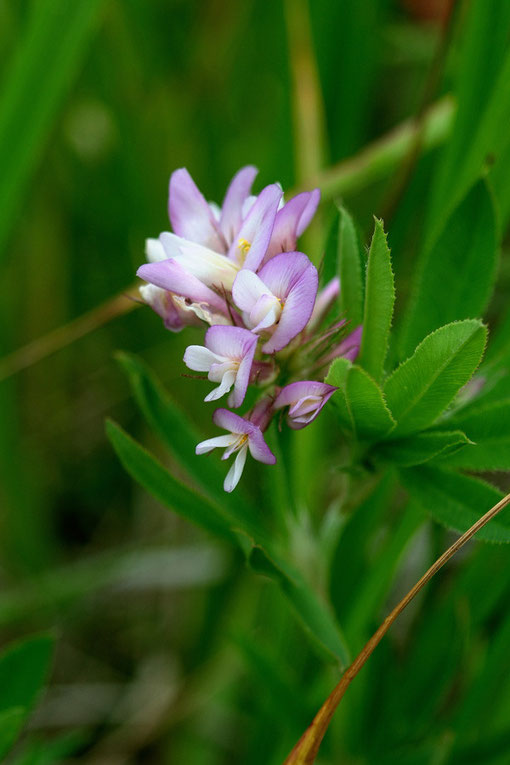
(65, 335)
(306, 749)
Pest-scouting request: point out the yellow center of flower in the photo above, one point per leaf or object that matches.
(244, 248)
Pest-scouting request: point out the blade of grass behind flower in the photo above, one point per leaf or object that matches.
(43, 67)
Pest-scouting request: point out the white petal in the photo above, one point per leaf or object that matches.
(224, 387)
(234, 474)
(266, 312)
(211, 443)
(154, 251)
(212, 268)
(200, 359)
(247, 289)
(201, 310)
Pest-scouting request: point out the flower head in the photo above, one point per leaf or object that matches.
(244, 436)
(235, 267)
(305, 400)
(227, 357)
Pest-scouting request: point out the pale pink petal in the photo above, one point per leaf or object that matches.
(243, 378)
(251, 242)
(285, 270)
(172, 276)
(230, 421)
(232, 208)
(238, 344)
(259, 450)
(190, 215)
(291, 221)
(163, 304)
(298, 390)
(324, 301)
(293, 278)
(309, 211)
(305, 399)
(232, 342)
(350, 345)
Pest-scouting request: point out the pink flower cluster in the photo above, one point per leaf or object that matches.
(236, 269)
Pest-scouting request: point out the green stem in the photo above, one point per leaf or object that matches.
(379, 159)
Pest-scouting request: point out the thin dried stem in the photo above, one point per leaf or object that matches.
(65, 335)
(306, 749)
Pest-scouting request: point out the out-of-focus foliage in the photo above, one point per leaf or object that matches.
(170, 649)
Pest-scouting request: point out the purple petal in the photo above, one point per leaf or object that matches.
(291, 221)
(262, 413)
(162, 303)
(171, 276)
(293, 278)
(350, 345)
(232, 208)
(251, 242)
(190, 215)
(295, 391)
(235, 343)
(232, 422)
(324, 301)
(232, 342)
(259, 450)
(305, 399)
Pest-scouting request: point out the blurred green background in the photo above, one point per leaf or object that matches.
(169, 651)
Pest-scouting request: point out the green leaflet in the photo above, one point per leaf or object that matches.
(49, 752)
(423, 386)
(422, 447)
(11, 723)
(480, 130)
(457, 501)
(350, 269)
(359, 400)
(373, 589)
(160, 483)
(177, 433)
(23, 670)
(378, 310)
(54, 43)
(489, 428)
(456, 274)
(315, 615)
